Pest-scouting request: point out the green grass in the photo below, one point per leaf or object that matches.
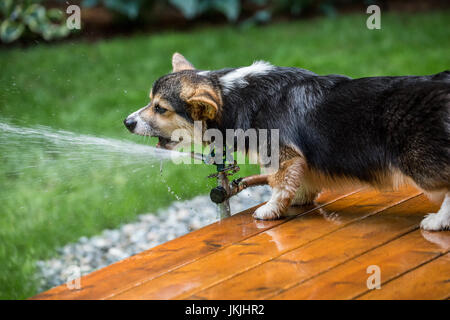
(90, 88)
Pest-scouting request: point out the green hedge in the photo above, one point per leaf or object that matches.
(22, 17)
(19, 17)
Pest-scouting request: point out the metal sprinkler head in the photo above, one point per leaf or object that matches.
(225, 190)
(222, 192)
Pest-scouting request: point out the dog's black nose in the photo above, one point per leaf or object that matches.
(130, 124)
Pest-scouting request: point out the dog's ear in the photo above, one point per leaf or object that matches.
(203, 106)
(180, 63)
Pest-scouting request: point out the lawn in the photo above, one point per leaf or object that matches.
(89, 88)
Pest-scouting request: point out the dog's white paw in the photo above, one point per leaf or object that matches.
(435, 222)
(268, 211)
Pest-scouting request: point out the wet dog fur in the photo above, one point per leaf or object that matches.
(334, 131)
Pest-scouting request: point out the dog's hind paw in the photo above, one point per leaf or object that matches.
(268, 211)
(435, 222)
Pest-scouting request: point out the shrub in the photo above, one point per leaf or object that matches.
(231, 9)
(20, 16)
(128, 8)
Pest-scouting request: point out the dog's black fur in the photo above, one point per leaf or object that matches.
(348, 127)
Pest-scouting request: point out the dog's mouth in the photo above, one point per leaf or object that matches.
(166, 143)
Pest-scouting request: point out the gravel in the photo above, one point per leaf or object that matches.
(89, 254)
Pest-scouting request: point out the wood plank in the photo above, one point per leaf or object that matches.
(349, 280)
(154, 262)
(296, 266)
(430, 281)
(223, 264)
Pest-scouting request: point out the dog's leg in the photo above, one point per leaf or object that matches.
(285, 183)
(304, 196)
(441, 219)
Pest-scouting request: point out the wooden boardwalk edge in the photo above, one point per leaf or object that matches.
(120, 276)
(318, 252)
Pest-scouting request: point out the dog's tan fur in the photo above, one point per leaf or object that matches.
(293, 164)
(205, 102)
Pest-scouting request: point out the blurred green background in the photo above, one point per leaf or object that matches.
(89, 87)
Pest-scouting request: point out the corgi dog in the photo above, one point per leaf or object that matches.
(333, 130)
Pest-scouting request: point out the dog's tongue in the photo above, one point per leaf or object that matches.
(162, 142)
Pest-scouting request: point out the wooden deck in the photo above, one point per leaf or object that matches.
(318, 252)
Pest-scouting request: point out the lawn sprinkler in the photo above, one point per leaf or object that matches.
(225, 190)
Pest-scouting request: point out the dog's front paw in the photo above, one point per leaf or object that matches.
(435, 222)
(268, 211)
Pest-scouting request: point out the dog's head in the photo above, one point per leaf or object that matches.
(176, 101)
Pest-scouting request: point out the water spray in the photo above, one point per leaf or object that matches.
(80, 149)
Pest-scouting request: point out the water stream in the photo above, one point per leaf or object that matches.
(19, 144)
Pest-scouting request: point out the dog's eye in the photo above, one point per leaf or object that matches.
(159, 109)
